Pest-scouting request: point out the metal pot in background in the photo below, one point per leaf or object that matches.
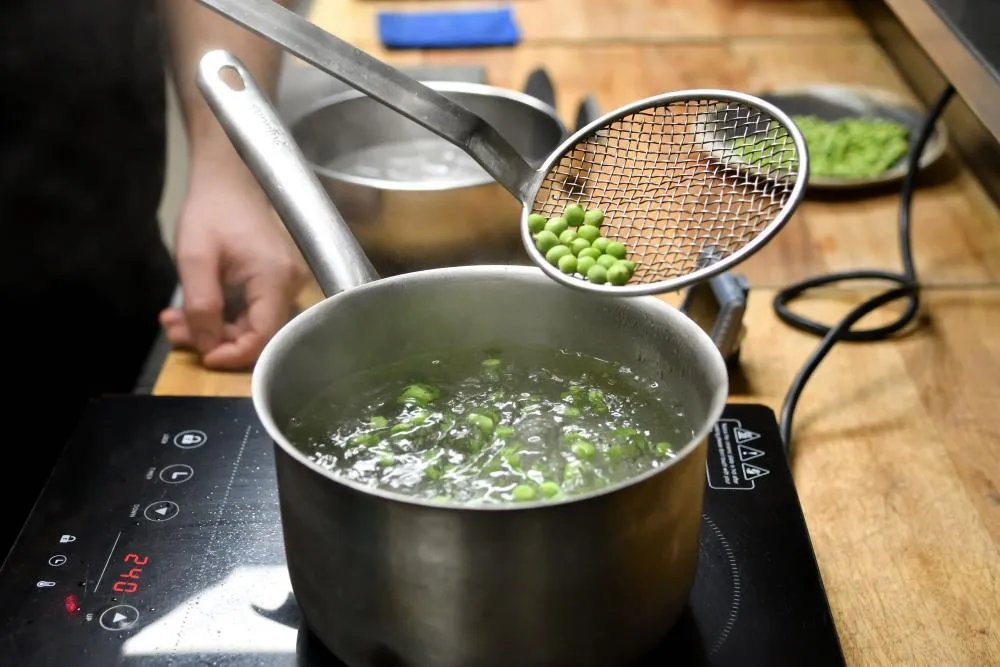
(423, 221)
(386, 579)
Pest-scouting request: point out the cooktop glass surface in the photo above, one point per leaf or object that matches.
(157, 543)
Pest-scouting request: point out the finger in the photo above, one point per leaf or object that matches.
(203, 302)
(267, 311)
(171, 316)
(179, 335)
(175, 327)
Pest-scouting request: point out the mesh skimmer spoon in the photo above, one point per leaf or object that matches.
(691, 182)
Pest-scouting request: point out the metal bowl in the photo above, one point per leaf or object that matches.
(425, 217)
(833, 102)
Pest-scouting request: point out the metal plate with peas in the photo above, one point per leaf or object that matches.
(857, 136)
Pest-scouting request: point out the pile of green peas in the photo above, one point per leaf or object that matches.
(573, 242)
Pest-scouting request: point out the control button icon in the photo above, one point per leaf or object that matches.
(176, 473)
(57, 560)
(190, 439)
(66, 539)
(161, 510)
(45, 584)
(119, 617)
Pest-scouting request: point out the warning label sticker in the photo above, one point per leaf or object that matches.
(729, 457)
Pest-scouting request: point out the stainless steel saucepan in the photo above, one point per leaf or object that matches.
(386, 579)
(410, 196)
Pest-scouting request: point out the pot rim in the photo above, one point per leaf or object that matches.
(480, 89)
(286, 338)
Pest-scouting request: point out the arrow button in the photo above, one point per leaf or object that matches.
(161, 510)
(176, 473)
(119, 617)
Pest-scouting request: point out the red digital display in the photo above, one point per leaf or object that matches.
(128, 582)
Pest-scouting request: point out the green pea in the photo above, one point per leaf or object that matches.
(566, 263)
(597, 400)
(629, 266)
(399, 428)
(588, 232)
(571, 412)
(567, 237)
(365, 439)
(549, 489)
(573, 214)
(664, 449)
(504, 431)
(607, 261)
(545, 241)
(616, 250)
(594, 216)
(378, 421)
(511, 456)
(618, 274)
(555, 252)
(482, 422)
(597, 274)
(584, 264)
(578, 245)
(601, 243)
(556, 225)
(523, 492)
(536, 223)
(418, 394)
(432, 472)
(583, 449)
(593, 253)
(386, 460)
(439, 499)
(491, 364)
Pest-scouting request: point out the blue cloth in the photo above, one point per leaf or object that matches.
(448, 29)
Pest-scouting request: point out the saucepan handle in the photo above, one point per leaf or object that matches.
(266, 146)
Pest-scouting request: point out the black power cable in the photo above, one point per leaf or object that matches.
(908, 286)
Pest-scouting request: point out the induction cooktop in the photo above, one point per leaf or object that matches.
(157, 543)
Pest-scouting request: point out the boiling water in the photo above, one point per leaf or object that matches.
(429, 160)
(519, 424)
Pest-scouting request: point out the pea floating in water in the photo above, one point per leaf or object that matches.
(523, 492)
(549, 489)
(482, 422)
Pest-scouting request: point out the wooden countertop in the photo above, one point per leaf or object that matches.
(895, 455)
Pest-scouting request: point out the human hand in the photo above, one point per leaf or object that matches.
(228, 236)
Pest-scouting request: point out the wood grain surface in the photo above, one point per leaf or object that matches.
(896, 455)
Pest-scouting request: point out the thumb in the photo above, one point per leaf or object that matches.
(203, 301)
